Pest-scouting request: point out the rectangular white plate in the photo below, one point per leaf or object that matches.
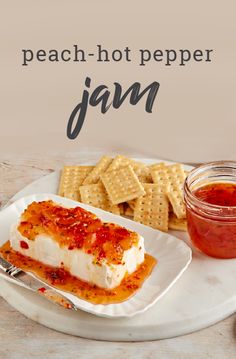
(172, 254)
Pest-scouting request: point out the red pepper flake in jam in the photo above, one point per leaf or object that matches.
(24, 245)
(57, 275)
(76, 228)
(42, 290)
(214, 234)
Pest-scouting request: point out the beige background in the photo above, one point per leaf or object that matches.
(193, 117)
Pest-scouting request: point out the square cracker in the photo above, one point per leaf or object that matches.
(102, 165)
(152, 209)
(122, 185)
(160, 176)
(174, 174)
(174, 177)
(176, 199)
(142, 171)
(144, 174)
(122, 161)
(95, 195)
(71, 179)
(163, 184)
(157, 166)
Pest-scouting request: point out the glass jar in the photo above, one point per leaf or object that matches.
(211, 216)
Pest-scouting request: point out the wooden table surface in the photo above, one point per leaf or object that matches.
(23, 338)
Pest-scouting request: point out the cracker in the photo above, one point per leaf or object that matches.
(174, 174)
(72, 194)
(156, 166)
(176, 181)
(71, 179)
(160, 177)
(95, 195)
(177, 202)
(177, 223)
(122, 185)
(101, 166)
(144, 174)
(174, 177)
(122, 161)
(152, 209)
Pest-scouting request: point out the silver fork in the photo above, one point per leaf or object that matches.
(9, 268)
(34, 284)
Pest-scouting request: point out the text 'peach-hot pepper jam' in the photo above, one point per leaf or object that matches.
(210, 196)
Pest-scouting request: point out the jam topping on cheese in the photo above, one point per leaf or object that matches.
(76, 228)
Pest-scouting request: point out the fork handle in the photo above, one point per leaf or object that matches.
(5, 265)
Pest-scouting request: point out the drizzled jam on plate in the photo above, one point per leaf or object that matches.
(63, 280)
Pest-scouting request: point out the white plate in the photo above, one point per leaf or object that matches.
(172, 254)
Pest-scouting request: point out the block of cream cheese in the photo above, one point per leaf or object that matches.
(75, 239)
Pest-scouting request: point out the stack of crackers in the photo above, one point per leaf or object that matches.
(151, 195)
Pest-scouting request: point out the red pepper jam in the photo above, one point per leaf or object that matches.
(214, 236)
(24, 245)
(76, 228)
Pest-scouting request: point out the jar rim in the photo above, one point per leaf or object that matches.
(200, 169)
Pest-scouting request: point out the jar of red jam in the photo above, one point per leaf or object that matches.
(210, 197)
